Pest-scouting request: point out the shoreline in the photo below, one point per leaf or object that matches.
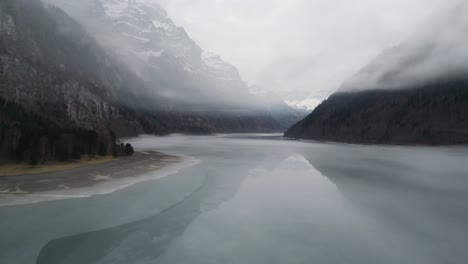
(22, 169)
(361, 143)
(90, 180)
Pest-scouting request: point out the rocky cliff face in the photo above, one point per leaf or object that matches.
(52, 67)
(58, 80)
(65, 92)
(197, 88)
(178, 71)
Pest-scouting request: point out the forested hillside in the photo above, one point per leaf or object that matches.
(434, 113)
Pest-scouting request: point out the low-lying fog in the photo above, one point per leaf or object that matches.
(260, 199)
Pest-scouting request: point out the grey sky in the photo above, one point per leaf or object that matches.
(301, 48)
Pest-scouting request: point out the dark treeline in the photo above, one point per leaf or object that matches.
(25, 136)
(430, 114)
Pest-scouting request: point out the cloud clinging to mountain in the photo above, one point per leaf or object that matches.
(301, 48)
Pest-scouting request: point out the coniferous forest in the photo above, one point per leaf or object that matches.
(28, 137)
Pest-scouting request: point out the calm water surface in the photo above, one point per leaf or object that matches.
(260, 199)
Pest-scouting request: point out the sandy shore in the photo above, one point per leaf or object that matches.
(138, 164)
(15, 169)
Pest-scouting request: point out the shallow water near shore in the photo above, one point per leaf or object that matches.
(260, 199)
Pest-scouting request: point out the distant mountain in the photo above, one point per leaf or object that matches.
(141, 34)
(429, 114)
(434, 53)
(65, 92)
(280, 110)
(307, 105)
(416, 93)
(199, 89)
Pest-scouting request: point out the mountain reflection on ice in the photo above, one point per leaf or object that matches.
(260, 199)
(276, 200)
(283, 213)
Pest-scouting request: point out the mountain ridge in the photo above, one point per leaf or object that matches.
(143, 35)
(415, 93)
(425, 115)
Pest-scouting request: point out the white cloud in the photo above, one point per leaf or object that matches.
(300, 48)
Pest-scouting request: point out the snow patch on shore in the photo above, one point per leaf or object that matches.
(102, 188)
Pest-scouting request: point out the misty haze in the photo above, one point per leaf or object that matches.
(181, 131)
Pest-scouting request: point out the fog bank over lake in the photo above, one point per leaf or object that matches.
(260, 199)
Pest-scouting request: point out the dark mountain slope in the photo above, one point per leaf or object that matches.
(50, 66)
(429, 114)
(59, 93)
(415, 93)
(187, 81)
(69, 93)
(25, 136)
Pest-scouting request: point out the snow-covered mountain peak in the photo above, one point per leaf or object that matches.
(274, 103)
(148, 30)
(308, 104)
(117, 8)
(146, 13)
(114, 8)
(210, 57)
(215, 61)
(142, 35)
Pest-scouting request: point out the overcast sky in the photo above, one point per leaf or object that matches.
(300, 48)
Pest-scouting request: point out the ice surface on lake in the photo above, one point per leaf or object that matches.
(260, 199)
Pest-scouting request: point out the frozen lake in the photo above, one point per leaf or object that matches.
(260, 199)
